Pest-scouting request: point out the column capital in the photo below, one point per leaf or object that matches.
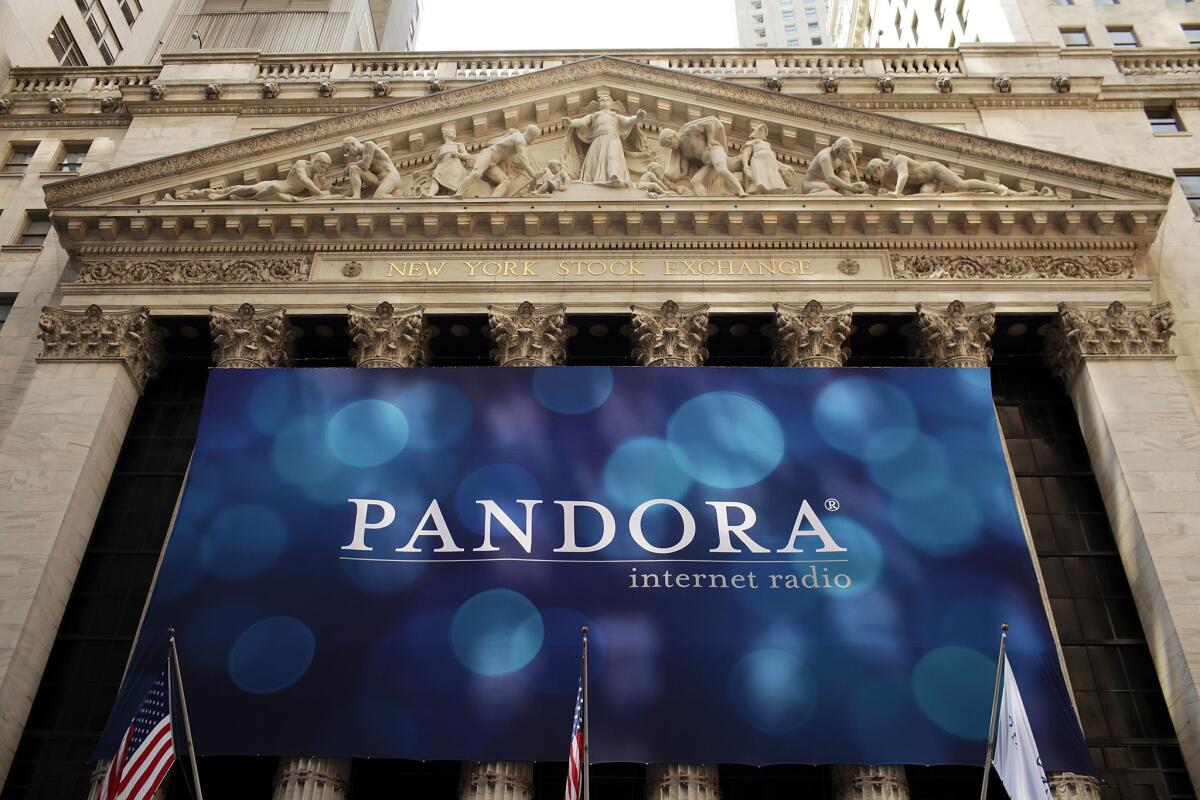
(670, 335)
(957, 336)
(247, 337)
(811, 336)
(683, 782)
(127, 335)
(496, 780)
(870, 782)
(303, 778)
(385, 336)
(1073, 786)
(1082, 332)
(528, 336)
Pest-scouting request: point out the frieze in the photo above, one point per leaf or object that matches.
(926, 267)
(196, 270)
(851, 120)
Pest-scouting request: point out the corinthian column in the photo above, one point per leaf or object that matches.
(682, 782)
(959, 336)
(312, 779)
(249, 338)
(1072, 786)
(869, 782)
(670, 336)
(812, 336)
(496, 780)
(386, 337)
(526, 336)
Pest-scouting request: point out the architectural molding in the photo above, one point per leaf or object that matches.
(496, 780)
(957, 336)
(870, 782)
(1082, 332)
(670, 335)
(527, 336)
(812, 335)
(683, 782)
(1073, 786)
(92, 334)
(312, 779)
(384, 336)
(195, 270)
(246, 337)
(1092, 265)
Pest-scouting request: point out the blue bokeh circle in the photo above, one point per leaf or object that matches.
(865, 418)
(271, 655)
(496, 632)
(574, 390)
(952, 685)
(773, 690)
(726, 440)
(367, 433)
(643, 469)
(242, 542)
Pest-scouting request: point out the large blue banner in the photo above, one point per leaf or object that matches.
(776, 565)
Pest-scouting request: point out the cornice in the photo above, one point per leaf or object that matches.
(851, 121)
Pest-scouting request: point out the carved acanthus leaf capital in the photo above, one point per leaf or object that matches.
(126, 335)
(1073, 786)
(527, 336)
(246, 337)
(957, 336)
(388, 337)
(870, 782)
(811, 336)
(671, 335)
(1115, 332)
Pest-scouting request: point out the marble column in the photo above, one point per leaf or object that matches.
(671, 335)
(1142, 431)
(811, 336)
(958, 336)
(56, 458)
(496, 780)
(312, 779)
(527, 336)
(248, 338)
(388, 337)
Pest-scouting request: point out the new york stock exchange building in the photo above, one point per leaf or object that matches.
(790, 376)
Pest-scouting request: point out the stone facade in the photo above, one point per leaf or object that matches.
(247, 206)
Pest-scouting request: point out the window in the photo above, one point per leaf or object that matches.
(73, 155)
(64, 46)
(18, 158)
(1123, 36)
(101, 28)
(1163, 119)
(816, 41)
(1107, 2)
(1190, 183)
(132, 9)
(961, 13)
(1075, 37)
(1192, 32)
(790, 30)
(793, 42)
(6, 305)
(789, 16)
(36, 228)
(1062, 2)
(810, 12)
(814, 27)
(758, 20)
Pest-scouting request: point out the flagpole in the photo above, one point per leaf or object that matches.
(587, 738)
(187, 728)
(991, 741)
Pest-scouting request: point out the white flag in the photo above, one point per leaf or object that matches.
(1017, 761)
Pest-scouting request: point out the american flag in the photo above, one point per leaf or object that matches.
(147, 750)
(575, 759)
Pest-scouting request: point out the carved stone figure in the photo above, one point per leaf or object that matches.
(886, 84)
(773, 83)
(6, 104)
(829, 84)
(214, 91)
(834, 170)
(246, 337)
(670, 336)
(594, 148)
(554, 178)
(451, 164)
(1061, 83)
(653, 182)
(367, 163)
(944, 84)
(509, 152)
(699, 151)
(270, 90)
(903, 175)
(109, 104)
(526, 336)
(158, 91)
(128, 335)
(812, 336)
(326, 88)
(302, 182)
(1002, 84)
(762, 171)
(436, 86)
(959, 336)
(388, 337)
(56, 105)
(381, 87)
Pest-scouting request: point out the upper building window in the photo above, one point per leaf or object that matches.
(809, 11)
(1123, 36)
(789, 29)
(101, 28)
(19, 156)
(758, 19)
(64, 46)
(1192, 32)
(793, 42)
(132, 9)
(1062, 2)
(73, 156)
(816, 41)
(789, 16)
(1163, 119)
(814, 27)
(1107, 2)
(37, 226)
(1190, 183)
(1075, 37)
(6, 305)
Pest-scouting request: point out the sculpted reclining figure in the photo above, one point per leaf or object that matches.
(301, 183)
(906, 175)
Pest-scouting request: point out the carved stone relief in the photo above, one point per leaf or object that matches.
(451, 165)
(1013, 266)
(502, 162)
(957, 336)
(196, 270)
(812, 336)
(270, 90)
(128, 335)
(1081, 332)
(109, 104)
(670, 335)
(302, 183)
(902, 175)
(697, 154)
(244, 336)
(595, 145)
(388, 337)
(526, 336)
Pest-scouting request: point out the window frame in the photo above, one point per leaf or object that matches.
(1133, 42)
(131, 16)
(72, 55)
(1065, 33)
(67, 150)
(1190, 176)
(34, 216)
(15, 148)
(1191, 32)
(1164, 119)
(103, 32)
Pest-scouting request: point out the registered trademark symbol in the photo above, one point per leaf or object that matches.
(832, 504)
